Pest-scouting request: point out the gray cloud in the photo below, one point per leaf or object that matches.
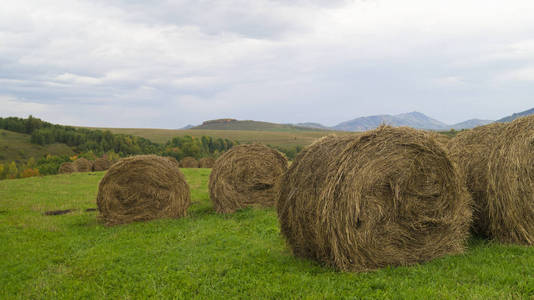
(171, 63)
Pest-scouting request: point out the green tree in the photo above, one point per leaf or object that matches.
(12, 171)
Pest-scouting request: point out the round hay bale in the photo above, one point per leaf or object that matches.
(83, 165)
(511, 184)
(442, 139)
(206, 162)
(143, 188)
(470, 151)
(66, 167)
(246, 175)
(101, 164)
(189, 162)
(387, 197)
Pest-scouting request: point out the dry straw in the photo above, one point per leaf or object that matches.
(246, 175)
(101, 164)
(442, 139)
(511, 184)
(66, 167)
(470, 151)
(189, 162)
(206, 162)
(83, 165)
(390, 196)
(142, 188)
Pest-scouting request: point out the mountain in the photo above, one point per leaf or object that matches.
(188, 126)
(469, 124)
(233, 124)
(313, 125)
(413, 119)
(516, 115)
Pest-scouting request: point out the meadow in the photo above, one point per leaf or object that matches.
(274, 138)
(16, 146)
(209, 256)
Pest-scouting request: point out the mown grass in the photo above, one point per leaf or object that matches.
(16, 146)
(207, 255)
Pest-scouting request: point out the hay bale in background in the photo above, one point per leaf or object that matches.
(442, 139)
(66, 167)
(386, 197)
(246, 175)
(83, 165)
(206, 162)
(189, 162)
(143, 188)
(470, 151)
(510, 202)
(101, 164)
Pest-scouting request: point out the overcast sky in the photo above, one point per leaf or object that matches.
(165, 64)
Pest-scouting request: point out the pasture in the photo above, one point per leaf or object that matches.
(274, 138)
(206, 255)
(16, 146)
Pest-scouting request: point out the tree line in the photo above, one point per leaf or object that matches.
(91, 143)
(102, 141)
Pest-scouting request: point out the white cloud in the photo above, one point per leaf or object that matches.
(521, 74)
(17, 108)
(77, 79)
(449, 81)
(286, 61)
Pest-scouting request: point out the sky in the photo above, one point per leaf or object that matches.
(166, 64)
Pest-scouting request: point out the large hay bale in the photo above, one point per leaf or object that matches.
(511, 184)
(101, 164)
(189, 162)
(142, 188)
(83, 165)
(66, 167)
(470, 151)
(390, 196)
(442, 139)
(246, 175)
(206, 162)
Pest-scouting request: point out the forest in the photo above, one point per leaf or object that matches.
(91, 143)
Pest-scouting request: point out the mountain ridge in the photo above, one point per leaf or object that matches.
(516, 115)
(233, 124)
(412, 119)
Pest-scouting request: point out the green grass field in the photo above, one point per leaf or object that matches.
(209, 256)
(17, 147)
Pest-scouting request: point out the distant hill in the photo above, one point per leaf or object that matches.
(413, 119)
(517, 115)
(16, 146)
(470, 124)
(313, 125)
(233, 124)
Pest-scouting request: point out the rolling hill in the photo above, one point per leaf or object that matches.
(17, 147)
(274, 138)
(470, 124)
(413, 119)
(517, 115)
(233, 124)
(313, 125)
